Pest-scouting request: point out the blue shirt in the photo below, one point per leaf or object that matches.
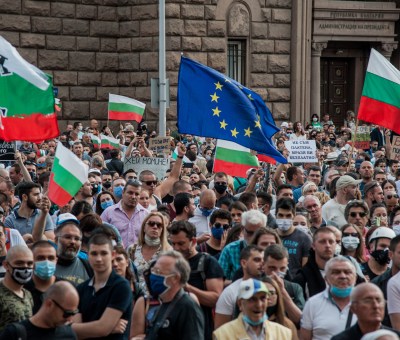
(25, 225)
(229, 259)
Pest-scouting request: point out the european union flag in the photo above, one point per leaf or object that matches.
(211, 104)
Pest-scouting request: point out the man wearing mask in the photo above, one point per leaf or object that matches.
(206, 276)
(117, 188)
(296, 241)
(69, 240)
(202, 213)
(45, 261)
(328, 313)
(15, 301)
(252, 322)
(106, 180)
(378, 246)
(230, 256)
(221, 188)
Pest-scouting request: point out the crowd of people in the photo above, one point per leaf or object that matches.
(288, 251)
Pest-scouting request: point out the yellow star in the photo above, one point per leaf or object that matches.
(258, 124)
(248, 132)
(223, 124)
(214, 97)
(216, 111)
(249, 95)
(218, 86)
(234, 132)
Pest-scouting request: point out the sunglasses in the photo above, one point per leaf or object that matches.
(67, 313)
(390, 196)
(350, 234)
(150, 182)
(153, 223)
(355, 214)
(219, 225)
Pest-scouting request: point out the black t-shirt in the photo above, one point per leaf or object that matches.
(185, 321)
(366, 270)
(206, 248)
(212, 270)
(37, 295)
(116, 294)
(33, 332)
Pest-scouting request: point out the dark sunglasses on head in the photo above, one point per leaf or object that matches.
(219, 225)
(150, 182)
(67, 313)
(350, 234)
(355, 213)
(389, 196)
(153, 223)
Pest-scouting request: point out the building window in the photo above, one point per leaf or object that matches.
(237, 60)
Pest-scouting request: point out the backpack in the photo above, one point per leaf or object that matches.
(200, 268)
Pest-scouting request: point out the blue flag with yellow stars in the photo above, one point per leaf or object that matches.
(211, 104)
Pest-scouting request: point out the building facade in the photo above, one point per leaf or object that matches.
(301, 56)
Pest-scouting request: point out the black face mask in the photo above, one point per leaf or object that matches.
(95, 189)
(107, 185)
(381, 256)
(220, 188)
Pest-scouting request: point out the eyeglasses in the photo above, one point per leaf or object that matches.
(356, 213)
(389, 196)
(71, 238)
(150, 183)
(67, 313)
(219, 225)
(350, 234)
(153, 223)
(157, 271)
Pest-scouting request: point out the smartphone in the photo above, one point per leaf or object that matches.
(188, 165)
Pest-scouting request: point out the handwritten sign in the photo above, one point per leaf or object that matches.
(158, 165)
(362, 138)
(302, 151)
(7, 151)
(395, 152)
(160, 144)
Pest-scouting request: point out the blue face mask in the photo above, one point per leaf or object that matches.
(44, 269)
(255, 323)
(104, 205)
(206, 212)
(341, 292)
(196, 201)
(118, 191)
(217, 232)
(157, 285)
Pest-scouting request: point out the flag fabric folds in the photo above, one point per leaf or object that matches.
(380, 100)
(233, 159)
(124, 108)
(27, 103)
(95, 140)
(175, 156)
(67, 176)
(211, 104)
(109, 142)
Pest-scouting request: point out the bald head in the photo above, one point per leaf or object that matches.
(208, 199)
(363, 289)
(16, 251)
(62, 291)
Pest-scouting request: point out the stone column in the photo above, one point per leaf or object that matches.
(316, 52)
(387, 48)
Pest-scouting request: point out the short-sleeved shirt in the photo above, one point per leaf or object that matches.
(298, 245)
(74, 272)
(334, 212)
(227, 300)
(116, 294)
(37, 295)
(12, 307)
(229, 260)
(393, 294)
(33, 332)
(25, 225)
(212, 270)
(129, 228)
(323, 317)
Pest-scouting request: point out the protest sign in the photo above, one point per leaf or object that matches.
(158, 165)
(362, 138)
(395, 151)
(7, 151)
(302, 151)
(160, 144)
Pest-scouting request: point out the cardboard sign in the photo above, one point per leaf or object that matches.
(302, 151)
(158, 165)
(362, 138)
(7, 151)
(160, 145)
(395, 152)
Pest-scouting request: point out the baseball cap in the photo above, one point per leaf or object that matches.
(67, 217)
(345, 181)
(251, 287)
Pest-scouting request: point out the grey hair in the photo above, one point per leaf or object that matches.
(254, 217)
(312, 197)
(334, 260)
(181, 265)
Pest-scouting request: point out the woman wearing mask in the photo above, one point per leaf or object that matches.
(316, 124)
(353, 243)
(301, 222)
(104, 200)
(152, 241)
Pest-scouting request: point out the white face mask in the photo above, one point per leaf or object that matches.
(284, 224)
(338, 249)
(396, 229)
(350, 242)
(303, 229)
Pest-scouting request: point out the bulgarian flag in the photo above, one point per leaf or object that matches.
(95, 140)
(109, 142)
(233, 159)
(67, 176)
(124, 108)
(175, 156)
(380, 101)
(27, 103)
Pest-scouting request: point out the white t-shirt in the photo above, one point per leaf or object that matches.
(227, 300)
(393, 294)
(333, 211)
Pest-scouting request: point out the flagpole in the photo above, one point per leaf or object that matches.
(161, 70)
(352, 146)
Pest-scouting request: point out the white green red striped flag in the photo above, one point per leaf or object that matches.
(109, 142)
(175, 156)
(95, 140)
(233, 159)
(67, 176)
(380, 100)
(125, 108)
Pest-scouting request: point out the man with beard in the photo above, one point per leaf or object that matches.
(184, 206)
(373, 193)
(85, 193)
(192, 154)
(69, 240)
(202, 213)
(333, 210)
(27, 219)
(367, 173)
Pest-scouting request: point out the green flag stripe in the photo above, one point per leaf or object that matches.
(235, 156)
(381, 89)
(65, 179)
(125, 108)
